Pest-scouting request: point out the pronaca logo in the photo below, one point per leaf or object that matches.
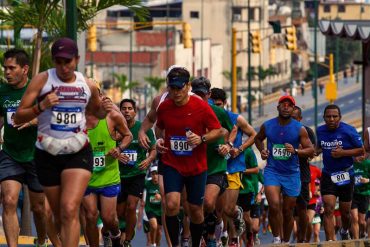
(330, 145)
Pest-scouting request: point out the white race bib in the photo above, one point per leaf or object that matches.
(10, 112)
(358, 180)
(279, 152)
(340, 178)
(180, 146)
(66, 118)
(316, 220)
(132, 155)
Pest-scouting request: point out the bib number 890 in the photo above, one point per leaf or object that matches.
(181, 145)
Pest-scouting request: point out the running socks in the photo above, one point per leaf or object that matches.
(196, 231)
(173, 228)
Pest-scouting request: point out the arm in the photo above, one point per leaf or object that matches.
(248, 130)
(152, 152)
(253, 170)
(258, 141)
(307, 147)
(148, 123)
(27, 110)
(366, 140)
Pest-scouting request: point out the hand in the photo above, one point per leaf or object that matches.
(23, 125)
(223, 150)
(157, 197)
(144, 164)
(144, 140)
(364, 180)
(159, 145)
(265, 154)
(49, 101)
(359, 159)
(337, 152)
(123, 158)
(234, 152)
(289, 147)
(115, 152)
(258, 198)
(107, 104)
(193, 139)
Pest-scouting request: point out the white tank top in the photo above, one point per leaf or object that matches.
(163, 97)
(68, 117)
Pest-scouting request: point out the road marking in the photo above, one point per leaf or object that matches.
(308, 118)
(351, 101)
(341, 105)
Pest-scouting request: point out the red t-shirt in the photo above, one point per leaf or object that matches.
(315, 173)
(196, 115)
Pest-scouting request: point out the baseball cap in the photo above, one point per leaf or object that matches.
(64, 48)
(287, 97)
(154, 169)
(201, 85)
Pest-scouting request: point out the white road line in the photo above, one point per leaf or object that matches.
(351, 101)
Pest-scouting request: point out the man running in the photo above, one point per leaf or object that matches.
(104, 184)
(338, 142)
(281, 175)
(183, 122)
(16, 158)
(63, 156)
(133, 171)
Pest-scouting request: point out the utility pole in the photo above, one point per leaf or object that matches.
(71, 14)
(233, 70)
(315, 65)
(201, 35)
(130, 65)
(249, 69)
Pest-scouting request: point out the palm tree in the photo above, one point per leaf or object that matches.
(48, 16)
(123, 84)
(155, 83)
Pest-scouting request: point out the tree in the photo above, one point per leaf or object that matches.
(123, 84)
(48, 16)
(155, 82)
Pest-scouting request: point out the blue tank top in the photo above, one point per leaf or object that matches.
(280, 160)
(237, 164)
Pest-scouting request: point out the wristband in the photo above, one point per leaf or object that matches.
(158, 140)
(240, 149)
(39, 107)
(35, 110)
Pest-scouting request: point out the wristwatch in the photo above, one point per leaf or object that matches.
(230, 144)
(203, 139)
(296, 151)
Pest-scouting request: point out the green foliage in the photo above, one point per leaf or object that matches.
(155, 82)
(349, 50)
(123, 84)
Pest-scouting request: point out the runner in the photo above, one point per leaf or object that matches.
(104, 184)
(311, 208)
(63, 154)
(16, 159)
(304, 197)
(281, 175)
(338, 142)
(217, 164)
(133, 171)
(183, 121)
(235, 169)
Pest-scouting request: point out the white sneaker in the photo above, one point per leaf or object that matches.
(218, 230)
(276, 240)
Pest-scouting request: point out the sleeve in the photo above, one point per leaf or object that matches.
(355, 138)
(250, 158)
(311, 135)
(150, 134)
(318, 141)
(211, 121)
(226, 121)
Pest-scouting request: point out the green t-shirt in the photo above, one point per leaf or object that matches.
(362, 170)
(250, 181)
(105, 171)
(18, 144)
(152, 204)
(136, 153)
(217, 163)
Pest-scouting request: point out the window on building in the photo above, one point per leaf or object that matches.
(362, 9)
(239, 72)
(206, 72)
(327, 8)
(194, 14)
(239, 44)
(255, 14)
(341, 8)
(237, 14)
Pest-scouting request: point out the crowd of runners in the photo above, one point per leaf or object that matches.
(188, 168)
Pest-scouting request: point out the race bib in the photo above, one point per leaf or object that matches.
(153, 200)
(180, 146)
(99, 161)
(358, 180)
(66, 118)
(132, 155)
(316, 220)
(10, 112)
(340, 178)
(279, 152)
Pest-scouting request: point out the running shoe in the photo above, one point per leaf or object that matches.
(257, 241)
(239, 222)
(224, 238)
(185, 242)
(127, 243)
(344, 234)
(218, 230)
(107, 242)
(211, 243)
(36, 243)
(276, 240)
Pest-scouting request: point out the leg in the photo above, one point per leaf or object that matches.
(37, 201)
(273, 198)
(362, 224)
(329, 204)
(302, 222)
(354, 225)
(153, 230)
(172, 221)
(110, 218)
(50, 223)
(316, 232)
(345, 211)
(90, 206)
(310, 215)
(130, 216)
(288, 205)
(9, 196)
(196, 222)
(73, 185)
(161, 190)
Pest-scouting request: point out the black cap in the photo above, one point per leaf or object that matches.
(64, 48)
(201, 85)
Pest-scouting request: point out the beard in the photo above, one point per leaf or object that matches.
(284, 117)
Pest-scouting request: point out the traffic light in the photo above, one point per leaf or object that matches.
(91, 38)
(255, 40)
(186, 35)
(291, 38)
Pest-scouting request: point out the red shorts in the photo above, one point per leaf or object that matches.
(337, 213)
